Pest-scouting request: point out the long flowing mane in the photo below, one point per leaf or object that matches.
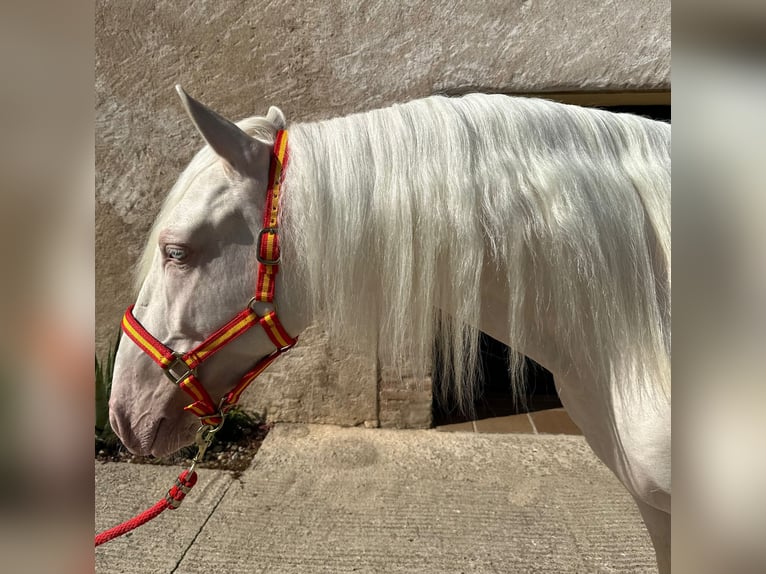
(394, 210)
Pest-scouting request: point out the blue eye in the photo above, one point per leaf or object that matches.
(175, 253)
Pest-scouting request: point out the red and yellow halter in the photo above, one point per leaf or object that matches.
(180, 368)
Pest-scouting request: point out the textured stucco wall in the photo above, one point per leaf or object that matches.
(318, 60)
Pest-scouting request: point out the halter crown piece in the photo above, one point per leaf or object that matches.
(180, 368)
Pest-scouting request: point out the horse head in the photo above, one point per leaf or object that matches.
(199, 270)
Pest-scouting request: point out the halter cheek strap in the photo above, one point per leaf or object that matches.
(181, 369)
(268, 239)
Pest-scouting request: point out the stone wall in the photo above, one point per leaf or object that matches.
(317, 60)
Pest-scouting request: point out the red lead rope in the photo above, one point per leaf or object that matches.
(185, 481)
(175, 496)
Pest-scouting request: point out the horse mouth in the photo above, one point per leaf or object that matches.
(159, 440)
(167, 441)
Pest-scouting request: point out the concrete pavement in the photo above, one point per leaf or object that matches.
(328, 499)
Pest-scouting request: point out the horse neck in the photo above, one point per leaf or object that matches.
(399, 211)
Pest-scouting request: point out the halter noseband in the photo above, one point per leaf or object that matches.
(181, 369)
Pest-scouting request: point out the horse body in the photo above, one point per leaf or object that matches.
(545, 226)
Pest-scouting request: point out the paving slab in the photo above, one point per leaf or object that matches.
(123, 490)
(323, 499)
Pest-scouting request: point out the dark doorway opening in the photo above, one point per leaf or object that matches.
(660, 113)
(494, 398)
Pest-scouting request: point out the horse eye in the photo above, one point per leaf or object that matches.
(175, 253)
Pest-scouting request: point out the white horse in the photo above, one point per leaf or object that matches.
(546, 226)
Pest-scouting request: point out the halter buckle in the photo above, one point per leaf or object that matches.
(263, 260)
(178, 366)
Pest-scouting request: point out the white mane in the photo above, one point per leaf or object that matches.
(390, 209)
(387, 209)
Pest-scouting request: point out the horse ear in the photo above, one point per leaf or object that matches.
(239, 150)
(276, 117)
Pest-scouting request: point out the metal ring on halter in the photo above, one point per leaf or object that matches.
(253, 301)
(223, 408)
(205, 431)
